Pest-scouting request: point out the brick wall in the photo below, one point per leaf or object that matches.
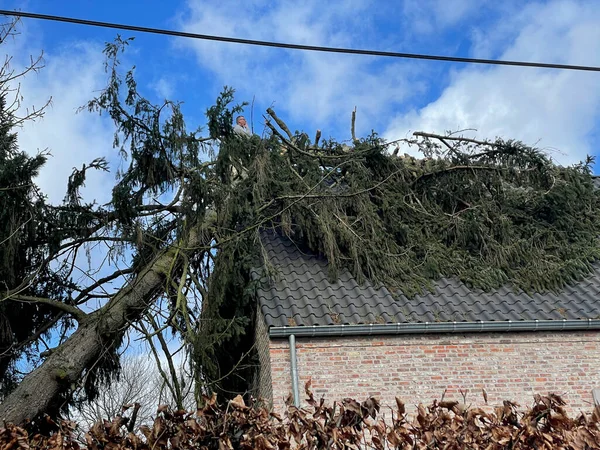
(419, 368)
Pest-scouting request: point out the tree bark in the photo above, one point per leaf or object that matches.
(81, 350)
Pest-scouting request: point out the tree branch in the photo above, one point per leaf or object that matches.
(352, 129)
(176, 386)
(280, 122)
(454, 138)
(303, 152)
(453, 169)
(74, 311)
(100, 282)
(34, 337)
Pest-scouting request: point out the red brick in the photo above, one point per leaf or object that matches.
(419, 368)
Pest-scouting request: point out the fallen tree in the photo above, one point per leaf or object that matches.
(182, 234)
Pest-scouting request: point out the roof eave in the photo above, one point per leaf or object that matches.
(434, 327)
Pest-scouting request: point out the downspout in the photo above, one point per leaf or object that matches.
(294, 371)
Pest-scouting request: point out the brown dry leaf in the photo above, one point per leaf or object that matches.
(377, 443)
(472, 413)
(146, 431)
(225, 443)
(352, 405)
(401, 407)
(212, 401)
(394, 439)
(262, 443)
(371, 406)
(159, 427)
(238, 402)
(428, 437)
(448, 404)
(307, 386)
(115, 426)
(162, 408)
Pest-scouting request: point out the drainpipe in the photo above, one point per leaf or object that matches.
(294, 371)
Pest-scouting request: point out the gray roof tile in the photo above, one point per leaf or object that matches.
(300, 294)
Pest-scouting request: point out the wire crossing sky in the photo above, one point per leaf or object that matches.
(189, 49)
(350, 51)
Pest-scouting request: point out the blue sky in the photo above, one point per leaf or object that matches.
(558, 111)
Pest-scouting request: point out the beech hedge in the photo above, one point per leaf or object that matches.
(346, 424)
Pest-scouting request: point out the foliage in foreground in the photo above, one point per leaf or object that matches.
(345, 425)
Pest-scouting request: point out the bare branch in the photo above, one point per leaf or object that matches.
(175, 386)
(454, 138)
(100, 282)
(280, 122)
(352, 127)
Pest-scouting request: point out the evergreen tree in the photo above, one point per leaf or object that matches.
(24, 236)
(19, 210)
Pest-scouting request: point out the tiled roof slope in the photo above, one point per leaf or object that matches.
(300, 294)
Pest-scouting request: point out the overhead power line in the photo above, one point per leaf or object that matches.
(349, 51)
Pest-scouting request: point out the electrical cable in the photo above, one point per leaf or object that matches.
(350, 51)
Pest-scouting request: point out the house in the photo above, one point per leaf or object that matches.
(356, 340)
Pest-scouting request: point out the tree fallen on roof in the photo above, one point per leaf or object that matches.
(489, 213)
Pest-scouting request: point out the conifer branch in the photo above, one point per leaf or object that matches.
(303, 152)
(454, 169)
(74, 311)
(40, 331)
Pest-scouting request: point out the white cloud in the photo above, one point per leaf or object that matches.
(163, 88)
(557, 110)
(318, 88)
(71, 76)
(429, 16)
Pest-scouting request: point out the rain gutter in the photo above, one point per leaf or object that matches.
(431, 327)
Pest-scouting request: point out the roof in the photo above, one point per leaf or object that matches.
(301, 295)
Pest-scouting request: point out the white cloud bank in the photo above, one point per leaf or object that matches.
(556, 110)
(318, 88)
(71, 76)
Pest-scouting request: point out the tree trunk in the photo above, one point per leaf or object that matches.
(67, 363)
